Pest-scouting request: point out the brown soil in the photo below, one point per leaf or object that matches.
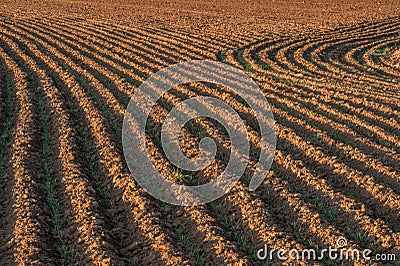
(330, 71)
(395, 58)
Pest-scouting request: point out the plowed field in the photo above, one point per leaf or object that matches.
(330, 71)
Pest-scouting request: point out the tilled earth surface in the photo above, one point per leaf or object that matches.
(330, 71)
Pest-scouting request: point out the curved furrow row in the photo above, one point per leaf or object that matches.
(138, 49)
(199, 221)
(375, 132)
(25, 213)
(67, 196)
(197, 41)
(300, 78)
(344, 213)
(259, 222)
(286, 51)
(125, 75)
(81, 52)
(12, 77)
(374, 55)
(356, 57)
(347, 117)
(333, 129)
(359, 109)
(192, 222)
(120, 114)
(148, 42)
(346, 146)
(129, 61)
(182, 44)
(86, 78)
(382, 132)
(3, 96)
(350, 59)
(7, 110)
(389, 56)
(383, 109)
(383, 240)
(366, 145)
(378, 135)
(333, 52)
(385, 191)
(375, 103)
(177, 42)
(306, 215)
(76, 184)
(87, 55)
(340, 166)
(346, 70)
(282, 201)
(124, 55)
(116, 179)
(166, 37)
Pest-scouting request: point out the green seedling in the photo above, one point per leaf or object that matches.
(221, 55)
